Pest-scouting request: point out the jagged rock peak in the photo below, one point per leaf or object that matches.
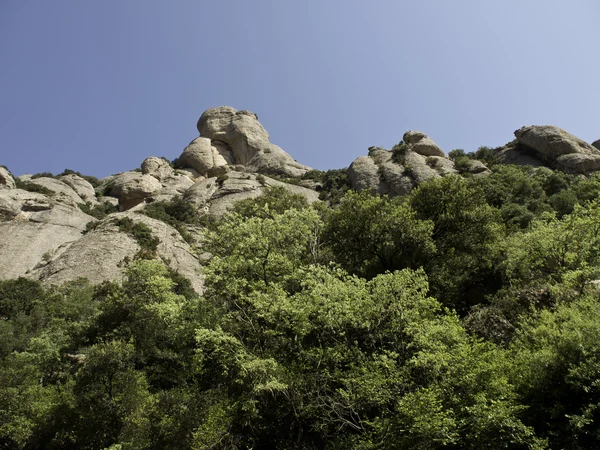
(231, 137)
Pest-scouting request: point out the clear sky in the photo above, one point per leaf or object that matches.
(97, 86)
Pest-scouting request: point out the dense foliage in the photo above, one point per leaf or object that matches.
(462, 316)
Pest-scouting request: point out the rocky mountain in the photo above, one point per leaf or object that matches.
(58, 228)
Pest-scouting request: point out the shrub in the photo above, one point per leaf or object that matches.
(42, 175)
(142, 235)
(32, 187)
(99, 211)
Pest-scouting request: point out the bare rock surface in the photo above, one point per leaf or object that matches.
(132, 188)
(62, 191)
(559, 149)
(202, 156)
(81, 186)
(34, 228)
(237, 138)
(399, 171)
(99, 254)
(216, 197)
(6, 179)
(422, 144)
(364, 174)
(159, 168)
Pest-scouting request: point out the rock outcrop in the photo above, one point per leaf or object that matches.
(99, 254)
(61, 192)
(82, 187)
(159, 168)
(236, 138)
(216, 195)
(6, 179)
(132, 188)
(596, 144)
(557, 148)
(34, 227)
(420, 143)
(399, 171)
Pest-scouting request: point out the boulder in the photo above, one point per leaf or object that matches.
(596, 144)
(418, 169)
(132, 188)
(396, 180)
(98, 254)
(420, 143)
(559, 148)
(441, 165)
(159, 168)
(476, 167)
(579, 162)
(81, 186)
(364, 174)
(239, 138)
(6, 179)
(202, 156)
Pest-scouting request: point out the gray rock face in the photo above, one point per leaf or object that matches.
(420, 143)
(29, 244)
(132, 188)
(6, 179)
(18, 202)
(384, 173)
(202, 156)
(157, 167)
(510, 155)
(238, 138)
(62, 191)
(559, 148)
(97, 254)
(477, 167)
(34, 228)
(364, 174)
(216, 198)
(596, 144)
(82, 187)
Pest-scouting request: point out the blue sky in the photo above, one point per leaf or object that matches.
(97, 86)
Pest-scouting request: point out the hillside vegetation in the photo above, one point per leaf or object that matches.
(461, 315)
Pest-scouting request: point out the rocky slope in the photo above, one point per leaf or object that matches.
(47, 232)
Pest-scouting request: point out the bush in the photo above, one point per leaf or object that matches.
(32, 187)
(42, 175)
(563, 202)
(99, 211)
(142, 235)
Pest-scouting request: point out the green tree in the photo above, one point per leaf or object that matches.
(368, 235)
(467, 232)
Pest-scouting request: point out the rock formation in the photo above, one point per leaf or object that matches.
(551, 146)
(6, 179)
(418, 158)
(46, 233)
(230, 137)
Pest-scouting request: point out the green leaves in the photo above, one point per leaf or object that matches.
(368, 235)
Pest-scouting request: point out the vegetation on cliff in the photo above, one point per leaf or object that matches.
(463, 315)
